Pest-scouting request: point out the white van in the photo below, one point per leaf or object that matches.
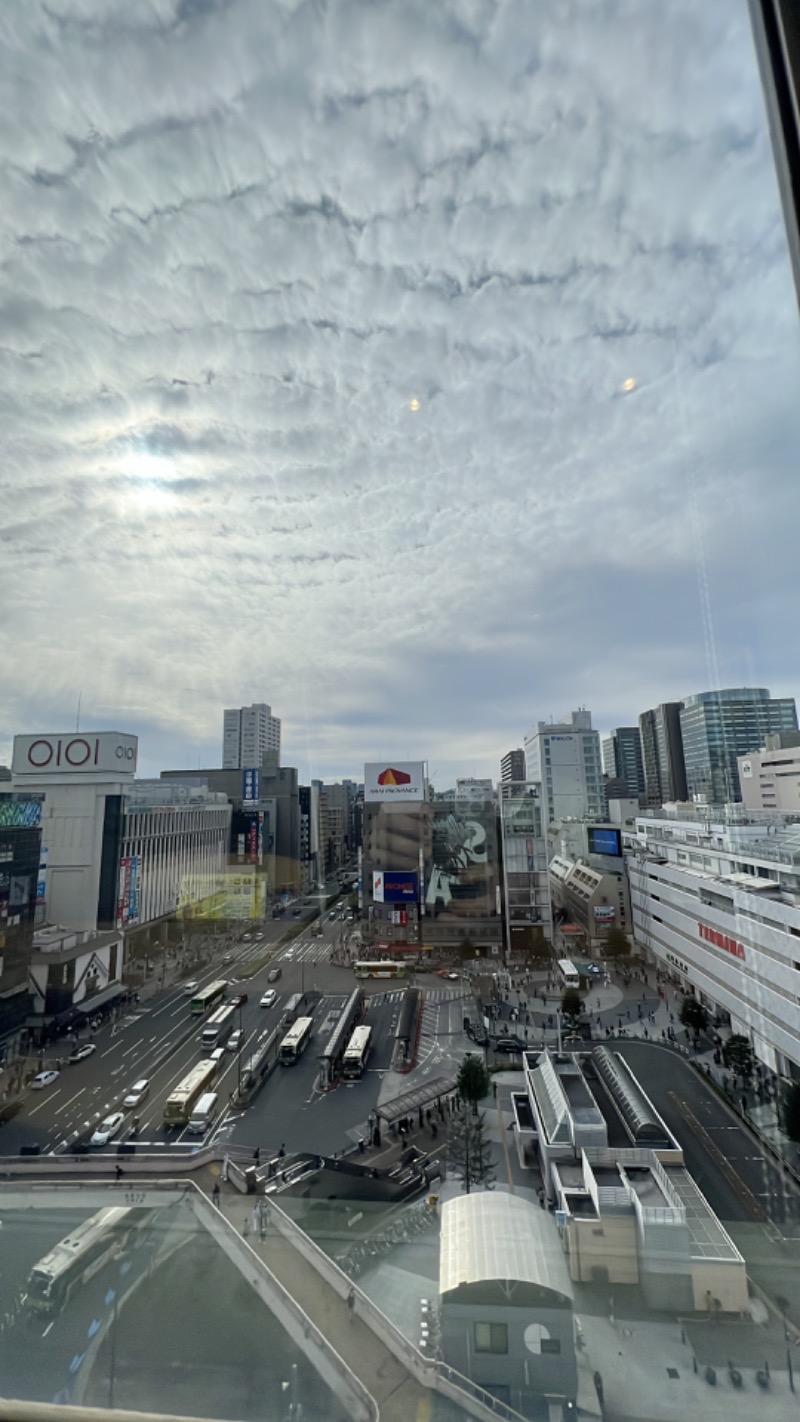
(203, 1114)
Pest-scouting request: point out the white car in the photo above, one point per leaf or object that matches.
(137, 1093)
(45, 1078)
(235, 1040)
(246, 937)
(191, 987)
(268, 998)
(81, 1053)
(107, 1129)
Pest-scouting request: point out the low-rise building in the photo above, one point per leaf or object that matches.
(591, 900)
(74, 974)
(506, 1301)
(770, 778)
(627, 1209)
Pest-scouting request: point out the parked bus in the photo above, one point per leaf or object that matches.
(295, 1041)
(357, 1052)
(208, 997)
(568, 973)
(380, 970)
(294, 1006)
(80, 1256)
(218, 1027)
(178, 1105)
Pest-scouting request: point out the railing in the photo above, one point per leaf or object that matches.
(430, 1372)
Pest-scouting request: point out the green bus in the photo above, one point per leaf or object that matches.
(208, 997)
(379, 970)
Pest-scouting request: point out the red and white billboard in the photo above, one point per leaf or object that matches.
(394, 780)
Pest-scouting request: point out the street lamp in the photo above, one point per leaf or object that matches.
(239, 1053)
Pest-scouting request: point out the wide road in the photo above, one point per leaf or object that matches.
(160, 1040)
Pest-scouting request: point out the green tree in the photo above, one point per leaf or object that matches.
(469, 1153)
(616, 944)
(790, 1113)
(473, 1080)
(571, 1002)
(737, 1054)
(693, 1014)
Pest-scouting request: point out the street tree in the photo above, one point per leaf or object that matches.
(473, 1080)
(469, 1153)
(737, 1054)
(791, 1111)
(616, 943)
(693, 1014)
(571, 1003)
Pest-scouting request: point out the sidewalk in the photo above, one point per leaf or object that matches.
(398, 1394)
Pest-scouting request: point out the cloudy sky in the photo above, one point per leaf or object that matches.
(422, 369)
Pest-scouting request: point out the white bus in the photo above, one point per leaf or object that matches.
(218, 1027)
(357, 1052)
(568, 973)
(80, 1256)
(178, 1105)
(295, 1041)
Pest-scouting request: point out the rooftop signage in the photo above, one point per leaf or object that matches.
(75, 754)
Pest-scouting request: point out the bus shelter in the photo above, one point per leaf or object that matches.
(419, 1098)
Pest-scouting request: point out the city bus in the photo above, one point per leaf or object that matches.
(295, 1041)
(178, 1105)
(380, 970)
(357, 1052)
(568, 973)
(218, 1027)
(80, 1256)
(208, 997)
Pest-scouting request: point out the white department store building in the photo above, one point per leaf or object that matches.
(715, 900)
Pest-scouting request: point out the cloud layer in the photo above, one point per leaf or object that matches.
(316, 322)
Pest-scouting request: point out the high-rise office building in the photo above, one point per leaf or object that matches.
(622, 758)
(662, 754)
(246, 733)
(718, 726)
(565, 760)
(512, 765)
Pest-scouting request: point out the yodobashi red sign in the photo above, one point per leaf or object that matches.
(394, 780)
(721, 940)
(75, 753)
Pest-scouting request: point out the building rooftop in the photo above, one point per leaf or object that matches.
(486, 1237)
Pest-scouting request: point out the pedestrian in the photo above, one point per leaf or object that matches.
(351, 1304)
(257, 1155)
(119, 1172)
(282, 1152)
(215, 1193)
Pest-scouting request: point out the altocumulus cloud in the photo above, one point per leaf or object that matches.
(316, 323)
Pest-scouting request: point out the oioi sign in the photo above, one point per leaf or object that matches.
(74, 753)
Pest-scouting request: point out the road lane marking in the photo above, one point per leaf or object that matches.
(58, 1111)
(133, 1047)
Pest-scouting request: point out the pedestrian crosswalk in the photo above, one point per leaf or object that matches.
(431, 995)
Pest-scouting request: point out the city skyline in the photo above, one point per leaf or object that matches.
(428, 383)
